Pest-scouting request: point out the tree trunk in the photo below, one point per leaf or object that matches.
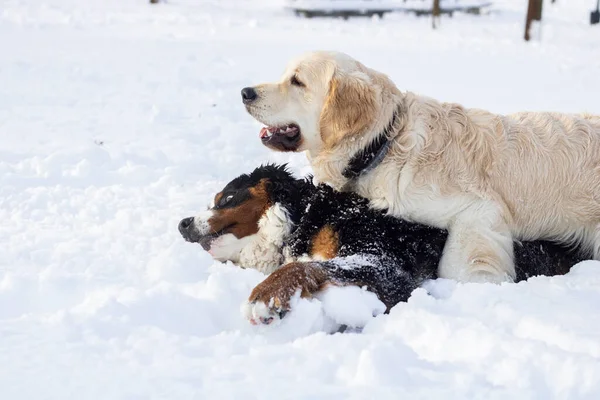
(538, 10)
(435, 12)
(529, 18)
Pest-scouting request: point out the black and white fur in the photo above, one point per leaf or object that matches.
(390, 256)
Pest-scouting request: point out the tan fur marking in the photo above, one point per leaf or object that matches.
(325, 243)
(243, 218)
(218, 197)
(283, 283)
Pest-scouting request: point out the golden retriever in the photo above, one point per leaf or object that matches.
(487, 178)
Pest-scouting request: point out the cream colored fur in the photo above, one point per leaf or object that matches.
(487, 178)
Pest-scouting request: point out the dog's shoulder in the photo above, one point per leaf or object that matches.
(326, 210)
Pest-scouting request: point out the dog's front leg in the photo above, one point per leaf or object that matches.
(266, 252)
(384, 276)
(479, 247)
(262, 254)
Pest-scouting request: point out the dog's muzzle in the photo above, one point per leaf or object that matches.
(190, 233)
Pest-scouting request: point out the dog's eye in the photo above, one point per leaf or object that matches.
(227, 199)
(224, 200)
(294, 81)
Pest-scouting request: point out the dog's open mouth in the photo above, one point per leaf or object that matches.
(282, 138)
(289, 131)
(205, 240)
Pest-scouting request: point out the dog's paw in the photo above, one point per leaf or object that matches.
(270, 299)
(259, 313)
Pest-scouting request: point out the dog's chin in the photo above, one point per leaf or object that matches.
(206, 242)
(283, 144)
(210, 244)
(286, 138)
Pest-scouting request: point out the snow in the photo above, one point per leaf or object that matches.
(118, 118)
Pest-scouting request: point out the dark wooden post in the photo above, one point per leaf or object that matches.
(435, 12)
(533, 9)
(595, 15)
(538, 10)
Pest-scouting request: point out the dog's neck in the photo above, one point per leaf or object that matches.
(298, 197)
(294, 196)
(369, 158)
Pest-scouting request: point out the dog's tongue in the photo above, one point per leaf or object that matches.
(263, 132)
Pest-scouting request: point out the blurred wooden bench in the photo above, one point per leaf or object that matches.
(369, 8)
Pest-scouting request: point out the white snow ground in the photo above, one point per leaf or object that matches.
(118, 118)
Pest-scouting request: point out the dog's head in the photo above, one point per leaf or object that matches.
(233, 220)
(322, 99)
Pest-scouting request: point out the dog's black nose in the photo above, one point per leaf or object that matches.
(248, 95)
(184, 226)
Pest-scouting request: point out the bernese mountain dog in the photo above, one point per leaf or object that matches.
(308, 236)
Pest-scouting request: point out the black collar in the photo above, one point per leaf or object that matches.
(372, 155)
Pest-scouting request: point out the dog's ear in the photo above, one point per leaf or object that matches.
(350, 107)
